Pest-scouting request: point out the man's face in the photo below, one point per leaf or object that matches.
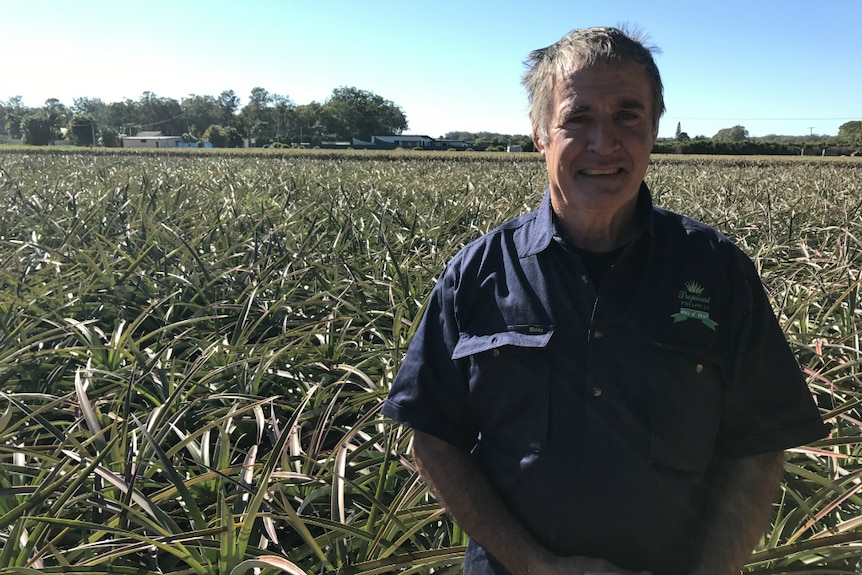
(600, 137)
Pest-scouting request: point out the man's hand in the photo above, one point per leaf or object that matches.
(579, 566)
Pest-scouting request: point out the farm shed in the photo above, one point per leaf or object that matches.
(452, 144)
(335, 145)
(402, 141)
(151, 140)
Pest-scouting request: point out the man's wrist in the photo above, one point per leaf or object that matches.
(540, 561)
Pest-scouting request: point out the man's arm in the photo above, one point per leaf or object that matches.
(469, 498)
(741, 507)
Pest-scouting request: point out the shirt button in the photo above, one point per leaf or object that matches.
(495, 353)
(698, 368)
(597, 391)
(598, 335)
(585, 278)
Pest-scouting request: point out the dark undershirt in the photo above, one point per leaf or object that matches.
(598, 263)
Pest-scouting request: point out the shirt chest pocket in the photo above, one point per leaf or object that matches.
(509, 387)
(685, 402)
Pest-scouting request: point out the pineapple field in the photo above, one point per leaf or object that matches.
(194, 348)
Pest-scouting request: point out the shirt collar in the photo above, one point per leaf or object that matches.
(538, 236)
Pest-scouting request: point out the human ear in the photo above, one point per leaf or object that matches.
(537, 142)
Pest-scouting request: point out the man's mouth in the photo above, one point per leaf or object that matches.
(601, 171)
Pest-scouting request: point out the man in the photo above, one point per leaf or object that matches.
(601, 386)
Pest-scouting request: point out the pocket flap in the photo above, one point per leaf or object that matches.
(519, 336)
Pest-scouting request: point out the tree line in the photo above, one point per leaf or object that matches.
(270, 118)
(265, 119)
(727, 141)
(736, 141)
(493, 141)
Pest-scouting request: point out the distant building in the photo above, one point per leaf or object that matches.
(151, 140)
(402, 141)
(453, 145)
(513, 148)
(409, 142)
(335, 145)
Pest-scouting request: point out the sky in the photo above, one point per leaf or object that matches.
(788, 67)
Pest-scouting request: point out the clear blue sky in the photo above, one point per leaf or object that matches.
(774, 66)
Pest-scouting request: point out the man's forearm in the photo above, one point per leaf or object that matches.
(469, 498)
(740, 510)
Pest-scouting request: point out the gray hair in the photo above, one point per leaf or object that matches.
(582, 48)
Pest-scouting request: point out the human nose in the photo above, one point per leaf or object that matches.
(603, 136)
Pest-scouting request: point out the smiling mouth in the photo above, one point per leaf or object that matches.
(601, 172)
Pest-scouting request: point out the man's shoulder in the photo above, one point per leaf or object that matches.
(673, 225)
(686, 241)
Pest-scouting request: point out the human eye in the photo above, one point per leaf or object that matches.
(629, 116)
(576, 119)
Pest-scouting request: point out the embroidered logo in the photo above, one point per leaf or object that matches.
(694, 304)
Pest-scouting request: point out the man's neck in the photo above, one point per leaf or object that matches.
(598, 231)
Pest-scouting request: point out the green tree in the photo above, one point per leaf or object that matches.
(82, 130)
(681, 136)
(234, 138)
(256, 117)
(109, 138)
(268, 117)
(216, 136)
(56, 114)
(124, 116)
(223, 136)
(850, 133)
(485, 139)
(98, 111)
(362, 114)
(313, 123)
(283, 115)
(228, 103)
(38, 130)
(734, 134)
(525, 141)
(493, 139)
(56, 111)
(463, 136)
(162, 114)
(13, 113)
(200, 113)
(92, 106)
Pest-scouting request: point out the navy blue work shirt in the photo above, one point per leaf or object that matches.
(599, 415)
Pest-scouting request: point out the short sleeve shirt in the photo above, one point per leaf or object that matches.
(599, 415)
